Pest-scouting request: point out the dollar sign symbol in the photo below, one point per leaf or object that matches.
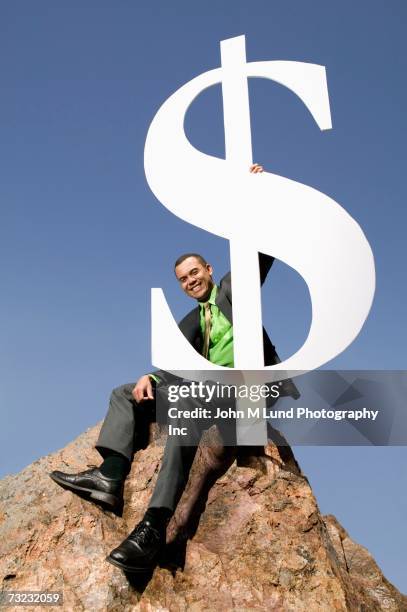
(272, 214)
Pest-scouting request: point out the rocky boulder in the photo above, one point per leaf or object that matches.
(247, 535)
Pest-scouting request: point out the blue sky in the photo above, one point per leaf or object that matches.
(83, 239)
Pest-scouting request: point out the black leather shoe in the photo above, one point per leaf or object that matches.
(94, 485)
(139, 552)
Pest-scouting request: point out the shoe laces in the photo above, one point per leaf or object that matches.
(144, 533)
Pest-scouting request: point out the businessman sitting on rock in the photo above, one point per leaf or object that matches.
(209, 329)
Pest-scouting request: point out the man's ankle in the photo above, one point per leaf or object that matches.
(115, 466)
(158, 517)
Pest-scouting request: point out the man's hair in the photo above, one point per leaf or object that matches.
(199, 257)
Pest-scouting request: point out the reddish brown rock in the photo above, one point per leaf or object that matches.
(260, 544)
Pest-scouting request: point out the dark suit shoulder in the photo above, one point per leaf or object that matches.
(226, 283)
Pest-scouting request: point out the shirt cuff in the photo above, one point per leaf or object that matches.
(154, 377)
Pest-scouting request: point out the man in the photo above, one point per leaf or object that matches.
(209, 329)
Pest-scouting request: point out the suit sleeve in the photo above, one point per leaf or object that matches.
(265, 263)
(162, 377)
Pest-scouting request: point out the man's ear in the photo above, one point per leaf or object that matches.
(209, 268)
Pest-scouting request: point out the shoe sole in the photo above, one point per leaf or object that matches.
(99, 496)
(129, 568)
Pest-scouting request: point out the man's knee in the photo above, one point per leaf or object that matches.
(123, 392)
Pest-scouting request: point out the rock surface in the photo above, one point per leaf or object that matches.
(260, 544)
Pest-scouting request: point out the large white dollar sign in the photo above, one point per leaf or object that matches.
(268, 213)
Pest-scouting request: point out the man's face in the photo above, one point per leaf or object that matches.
(195, 278)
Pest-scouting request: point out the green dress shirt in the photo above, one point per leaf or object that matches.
(221, 337)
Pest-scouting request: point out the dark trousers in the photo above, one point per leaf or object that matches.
(125, 430)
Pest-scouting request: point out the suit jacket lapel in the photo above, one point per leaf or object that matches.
(191, 329)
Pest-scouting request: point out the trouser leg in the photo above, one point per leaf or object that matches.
(180, 450)
(178, 457)
(125, 422)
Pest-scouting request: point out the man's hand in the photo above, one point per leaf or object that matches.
(143, 390)
(256, 169)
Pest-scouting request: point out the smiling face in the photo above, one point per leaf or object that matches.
(195, 278)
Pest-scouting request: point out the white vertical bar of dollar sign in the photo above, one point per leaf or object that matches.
(246, 305)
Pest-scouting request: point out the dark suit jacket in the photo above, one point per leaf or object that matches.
(190, 325)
